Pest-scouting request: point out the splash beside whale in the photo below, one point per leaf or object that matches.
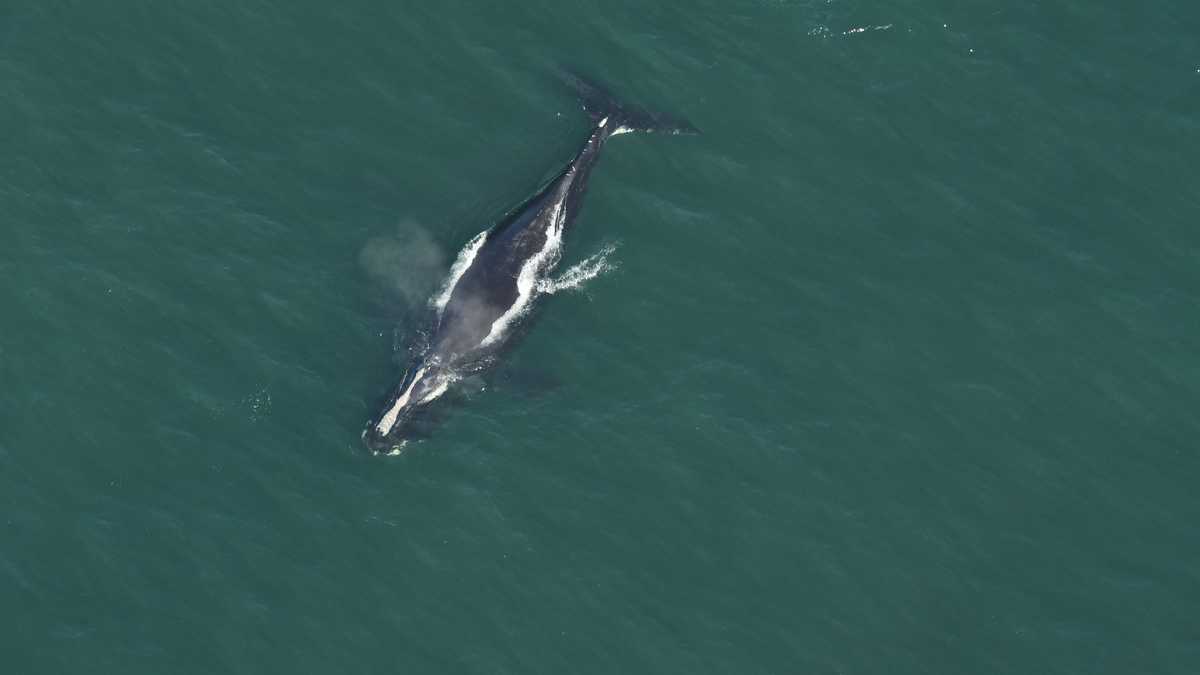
(500, 273)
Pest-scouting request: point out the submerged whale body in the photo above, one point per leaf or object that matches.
(495, 281)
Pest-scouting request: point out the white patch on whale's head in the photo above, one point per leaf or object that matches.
(388, 421)
(426, 385)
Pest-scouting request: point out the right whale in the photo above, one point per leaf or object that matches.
(493, 285)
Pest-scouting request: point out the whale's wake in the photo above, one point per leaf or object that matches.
(580, 273)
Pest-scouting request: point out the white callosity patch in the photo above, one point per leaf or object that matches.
(431, 385)
(389, 420)
(579, 273)
(465, 258)
(443, 383)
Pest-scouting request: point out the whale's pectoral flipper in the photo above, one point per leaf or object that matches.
(600, 104)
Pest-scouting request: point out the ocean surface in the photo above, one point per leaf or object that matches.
(895, 370)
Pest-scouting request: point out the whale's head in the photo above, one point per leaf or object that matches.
(392, 427)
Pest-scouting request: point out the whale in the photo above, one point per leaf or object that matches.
(497, 279)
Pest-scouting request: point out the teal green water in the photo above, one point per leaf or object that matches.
(897, 373)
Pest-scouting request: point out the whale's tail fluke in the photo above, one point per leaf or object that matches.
(599, 104)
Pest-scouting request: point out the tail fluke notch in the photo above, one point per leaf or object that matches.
(599, 103)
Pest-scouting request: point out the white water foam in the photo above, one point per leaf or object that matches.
(527, 278)
(465, 257)
(580, 273)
